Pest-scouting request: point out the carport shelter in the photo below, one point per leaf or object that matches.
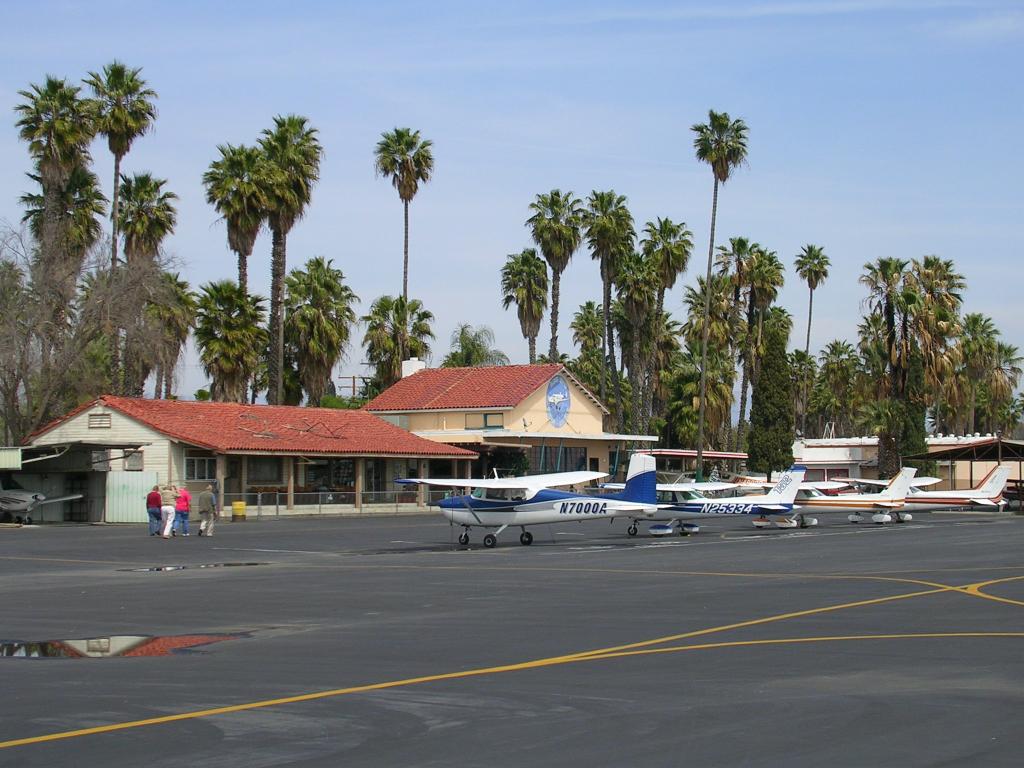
(243, 449)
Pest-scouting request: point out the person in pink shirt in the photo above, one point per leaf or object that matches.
(182, 506)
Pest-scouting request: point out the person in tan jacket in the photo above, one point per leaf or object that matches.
(168, 496)
(207, 506)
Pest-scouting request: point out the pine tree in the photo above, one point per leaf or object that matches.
(771, 415)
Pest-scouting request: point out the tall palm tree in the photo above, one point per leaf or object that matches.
(722, 144)
(889, 296)
(393, 327)
(556, 228)
(147, 215)
(524, 282)
(472, 348)
(318, 323)
(293, 153)
(610, 234)
(812, 265)
(58, 126)
(408, 161)
(173, 314)
(834, 393)
(230, 335)
(236, 186)
(124, 111)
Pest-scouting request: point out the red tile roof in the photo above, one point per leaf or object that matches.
(432, 389)
(229, 427)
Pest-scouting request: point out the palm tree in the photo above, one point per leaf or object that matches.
(979, 347)
(555, 225)
(637, 284)
(293, 153)
(395, 327)
(834, 390)
(587, 328)
(230, 335)
(147, 215)
(812, 265)
(58, 127)
(610, 234)
(407, 159)
(472, 348)
(236, 186)
(524, 282)
(124, 111)
(804, 369)
(722, 144)
(669, 246)
(319, 321)
(81, 206)
(173, 314)
(889, 296)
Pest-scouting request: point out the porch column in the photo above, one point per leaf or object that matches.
(221, 473)
(421, 490)
(360, 473)
(289, 468)
(455, 468)
(243, 482)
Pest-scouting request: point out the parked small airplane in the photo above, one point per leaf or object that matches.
(987, 493)
(886, 504)
(19, 502)
(521, 501)
(685, 503)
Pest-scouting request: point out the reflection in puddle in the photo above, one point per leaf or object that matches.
(185, 567)
(107, 647)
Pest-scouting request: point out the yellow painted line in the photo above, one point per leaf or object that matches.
(765, 620)
(975, 590)
(790, 640)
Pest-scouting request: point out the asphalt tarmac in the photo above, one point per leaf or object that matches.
(375, 642)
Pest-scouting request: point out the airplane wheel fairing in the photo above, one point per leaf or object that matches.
(855, 518)
(632, 530)
(463, 539)
(526, 538)
(490, 541)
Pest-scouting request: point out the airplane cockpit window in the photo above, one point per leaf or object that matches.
(665, 497)
(809, 493)
(478, 493)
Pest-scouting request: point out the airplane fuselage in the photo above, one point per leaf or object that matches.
(545, 506)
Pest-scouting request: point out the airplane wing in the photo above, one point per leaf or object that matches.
(774, 507)
(917, 482)
(705, 486)
(984, 502)
(58, 499)
(924, 482)
(517, 483)
(823, 485)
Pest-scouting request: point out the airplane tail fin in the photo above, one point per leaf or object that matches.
(899, 486)
(641, 480)
(995, 483)
(784, 491)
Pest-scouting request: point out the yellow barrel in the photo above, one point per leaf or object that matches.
(237, 511)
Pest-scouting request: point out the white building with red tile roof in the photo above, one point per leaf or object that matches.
(540, 412)
(352, 456)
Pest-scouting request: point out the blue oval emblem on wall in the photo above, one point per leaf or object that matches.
(558, 401)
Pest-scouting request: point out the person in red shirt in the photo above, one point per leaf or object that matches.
(182, 506)
(153, 510)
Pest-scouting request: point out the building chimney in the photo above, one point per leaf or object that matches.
(410, 366)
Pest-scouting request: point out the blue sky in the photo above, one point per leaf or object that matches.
(877, 128)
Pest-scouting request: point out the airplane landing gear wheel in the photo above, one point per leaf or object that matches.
(632, 529)
(526, 538)
(490, 541)
(800, 521)
(464, 538)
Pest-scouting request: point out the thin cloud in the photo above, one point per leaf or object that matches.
(992, 26)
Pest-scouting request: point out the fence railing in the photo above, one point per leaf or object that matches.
(275, 503)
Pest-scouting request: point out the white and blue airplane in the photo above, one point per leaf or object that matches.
(685, 502)
(500, 503)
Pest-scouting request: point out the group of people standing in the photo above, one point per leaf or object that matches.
(169, 506)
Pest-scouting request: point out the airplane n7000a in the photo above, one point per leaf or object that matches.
(522, 501)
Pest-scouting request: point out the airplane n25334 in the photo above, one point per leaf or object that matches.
(518, 502)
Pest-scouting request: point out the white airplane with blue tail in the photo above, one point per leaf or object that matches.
(518, 502)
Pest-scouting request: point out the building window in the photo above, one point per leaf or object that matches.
(133, 461)
(331, 474)
(485, 420)
(264, 470)
(200, 468)
(99, 421)
(551, 458)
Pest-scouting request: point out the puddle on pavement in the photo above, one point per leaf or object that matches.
(108, 647)
(187, 567)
